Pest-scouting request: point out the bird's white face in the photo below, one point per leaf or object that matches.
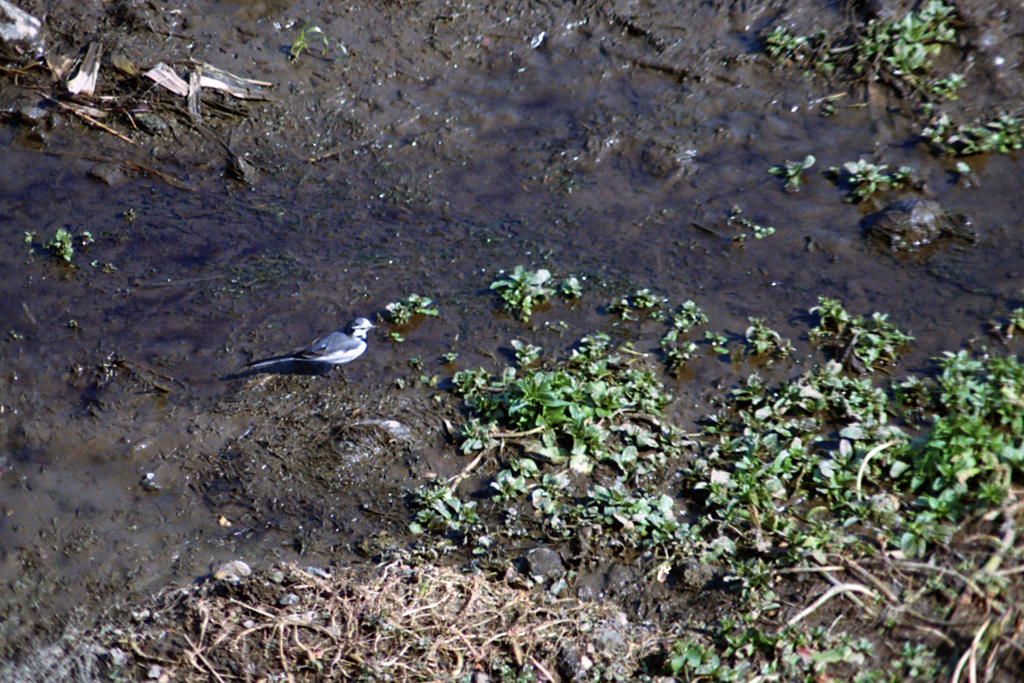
(360, 326)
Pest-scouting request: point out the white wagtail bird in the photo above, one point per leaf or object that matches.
(336, 348)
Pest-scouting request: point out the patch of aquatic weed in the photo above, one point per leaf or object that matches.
(393, 623)
(918, 57)
(845, 524)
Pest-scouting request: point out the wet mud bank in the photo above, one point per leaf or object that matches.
(313, 163)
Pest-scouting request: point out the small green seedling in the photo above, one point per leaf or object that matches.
(312, 34)
(570, 288)
(683, 319)
(790, 171)
(440, 510)
(760, 231)
(402, 312)
(717, 341)
(526, 354)
(641, 300)
(676, 354)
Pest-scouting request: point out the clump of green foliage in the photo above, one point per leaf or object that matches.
(974, 446)
(907, 46)
(570, 412)
(856, 342)
(589, 410)
(765, 341)
(642, 300)
(677, 352)
(1009, 328)
(805, 473)
(861, 179)
(522, 290)
(526, 354)
(441, 511)
(403, 311)
(62, 244)
(897, 51)
(1003, 134)
(783, 46)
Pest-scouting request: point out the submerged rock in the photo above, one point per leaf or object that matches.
(909, 224)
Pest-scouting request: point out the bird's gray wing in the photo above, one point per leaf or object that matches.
(328, 345)
(313, 352)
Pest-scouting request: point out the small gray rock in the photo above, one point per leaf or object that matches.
(696, 575)
(232, 572)
(287, 600)
(544, 563)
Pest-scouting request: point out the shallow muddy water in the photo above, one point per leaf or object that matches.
(452, 143)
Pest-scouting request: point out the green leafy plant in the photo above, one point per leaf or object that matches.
(975, 445)
(896, 51)
(1003, 134)
(1016, 323)
(676, 354)
(736, 219)
(590, 410)
(907, 46)
(526, 354)
(861, 179)
(781, 45)
(791, 172)
(570, 288)
(441, 511)
(643, 516)
(311, 34)
(856, 342)
(717, 341)
(401, 312)
(765, 341)
(62, 244)
(641, 300)
(523, 289)
(684, 318)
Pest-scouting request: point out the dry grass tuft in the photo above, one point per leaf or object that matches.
(403, 624)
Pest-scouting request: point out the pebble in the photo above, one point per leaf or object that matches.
(232, 572)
